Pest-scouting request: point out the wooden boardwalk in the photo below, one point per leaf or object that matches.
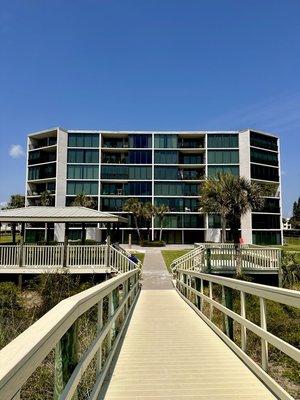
(169, 353)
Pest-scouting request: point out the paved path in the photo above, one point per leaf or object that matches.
(170, 353)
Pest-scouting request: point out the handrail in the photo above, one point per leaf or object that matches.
(190, 285)
(223, 257)
(20, 358)
(77, 256)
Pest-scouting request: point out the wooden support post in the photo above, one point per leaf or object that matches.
(208, 259)
(201, 290)
(99, 328)
(110, 314)
(20, 279)
(263, 325)
(83, 233)
(65, 249)
(211, 308)
(198, 298)
(66, 359)
(107, 254)
(13, 232)
(243, 328)
(229, 305)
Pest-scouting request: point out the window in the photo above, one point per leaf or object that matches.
(214, 221)
(166, 173)
(222, 140)
(140, 157)
(191, 158)
(213, 170)
(166, 157)
(170, 221)
(42, 172)
(140, 141)
(114, 172)
(264, 238)
(264, 141)
(165, 141)
(223, 157)
(83, 172)
(139, 172)
(115, 142)
(265, 221)
(83, 140)
(264, 157)
(193, 221)
(83, 156)
(168, 189)
(271, 205)
(88, 188)
(264, 173)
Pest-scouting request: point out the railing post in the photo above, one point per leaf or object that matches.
(211, 309)
(107, 258)
(110, 314)
(201, 289)
(198, 298)
(66, 359)
(228, 302)
(243, 328)
(65, 248)
(263, 325)
(208, 260)
(99, 328)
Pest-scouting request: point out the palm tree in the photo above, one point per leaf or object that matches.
(233, 196)
(148, 212)
(160, 212)
(46, 199)
(82, 200)
(134, 206)
(213, 201)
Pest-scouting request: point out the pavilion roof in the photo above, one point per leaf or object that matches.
(57, 214)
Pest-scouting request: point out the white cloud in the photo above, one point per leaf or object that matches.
(3, 204)
(16, 151)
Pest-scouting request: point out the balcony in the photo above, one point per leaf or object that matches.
(190, 143)
(45, 142)
(39, 157)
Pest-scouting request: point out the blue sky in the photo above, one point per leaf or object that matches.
(155, 64)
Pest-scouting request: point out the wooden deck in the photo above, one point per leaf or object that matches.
(170, 353)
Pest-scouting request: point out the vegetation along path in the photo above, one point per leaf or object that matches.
(169, 353)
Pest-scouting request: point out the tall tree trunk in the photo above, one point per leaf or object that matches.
(223, 229)
(160, 232)
(137, 227)
(238, 253)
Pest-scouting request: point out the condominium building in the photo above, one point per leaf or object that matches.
(158, 167)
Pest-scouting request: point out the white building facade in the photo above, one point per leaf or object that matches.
(158, 167)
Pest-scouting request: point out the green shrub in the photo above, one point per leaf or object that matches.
(155, 243)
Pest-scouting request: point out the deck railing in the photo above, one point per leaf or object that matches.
(58, 329)
(223, 258)
(51, 257)
(191, 285)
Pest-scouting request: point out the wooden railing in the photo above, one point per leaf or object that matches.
(191, 286)
(47, 257)
(57, 329)
(223, 257)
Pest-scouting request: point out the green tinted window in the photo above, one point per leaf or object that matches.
(223, 156)
(213, 170)
(83, 156)
(222, 140)
(140, 173)
(166, 157)
(264, 157)
(171, 173)
(83, 140)
(83, 172)
(214, 221)
(165, 141)
(88, 188)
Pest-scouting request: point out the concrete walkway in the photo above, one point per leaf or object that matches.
(155, 274)
(169, 352)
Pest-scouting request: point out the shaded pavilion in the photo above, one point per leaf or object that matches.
(64, 215)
